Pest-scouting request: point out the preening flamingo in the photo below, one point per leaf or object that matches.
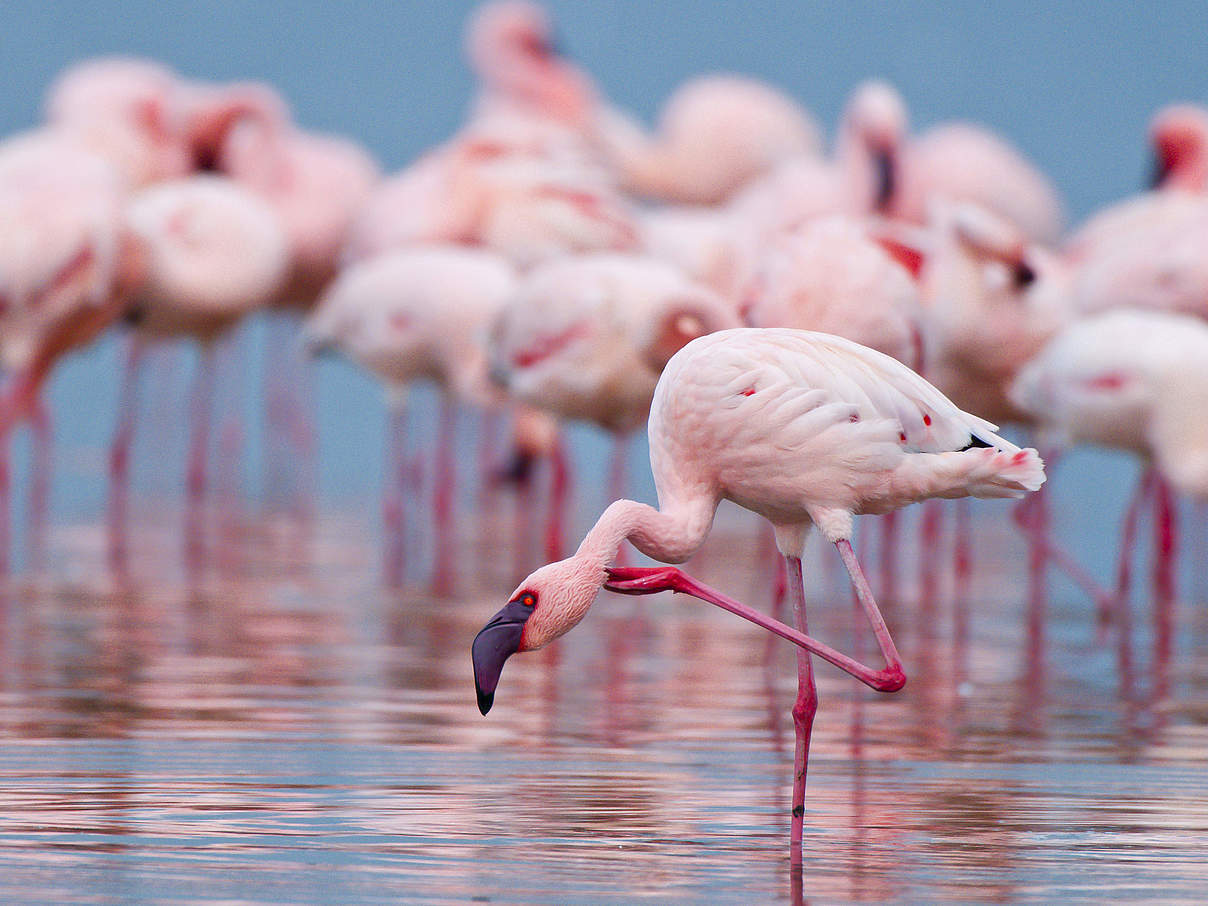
(715, 134)
(803, 428)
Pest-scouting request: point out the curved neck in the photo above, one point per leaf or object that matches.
(670, 536)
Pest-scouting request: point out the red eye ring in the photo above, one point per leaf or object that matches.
(528, 599)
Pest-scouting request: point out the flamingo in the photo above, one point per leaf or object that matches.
(213, 253)
(802, 428)
(1132, 380)
(1178, 135)
(586, 337)
(831, 275)
(418, 314)
(715, 134)
(66, 268)
(878, 168)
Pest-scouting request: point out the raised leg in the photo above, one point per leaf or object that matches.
(646, 580)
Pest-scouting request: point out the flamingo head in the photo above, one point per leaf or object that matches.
(544, 606)
(1179, 136)
(511, 48)
(876, 119)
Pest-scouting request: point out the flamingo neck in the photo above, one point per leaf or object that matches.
(670, 536)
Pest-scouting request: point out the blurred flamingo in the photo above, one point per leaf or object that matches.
(804, 429)
(66, 267)
(715, 134)
(418, 314)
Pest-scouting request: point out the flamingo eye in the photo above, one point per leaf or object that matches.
(528, 599)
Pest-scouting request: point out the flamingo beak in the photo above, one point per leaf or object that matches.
(495, 643)
(886, 182)
(1159, 170)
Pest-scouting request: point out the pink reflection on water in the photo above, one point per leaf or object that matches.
(270, 705)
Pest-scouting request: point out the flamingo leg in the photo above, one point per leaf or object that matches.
(119, 454)
(804, 708)
(444, 493)
(5, 512)
(393, 497)
(39, 488)
(201, 409)
(647, 580)
(1128, 541)
(1165, 535)
(559, 493)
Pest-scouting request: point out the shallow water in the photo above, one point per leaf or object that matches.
(262, 722)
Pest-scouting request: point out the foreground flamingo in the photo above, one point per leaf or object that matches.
(802, 428)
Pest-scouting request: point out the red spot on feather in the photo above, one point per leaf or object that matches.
(750, 391)
(1112, 380)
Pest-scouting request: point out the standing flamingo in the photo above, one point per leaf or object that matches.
(802, 428)
(1132, 380)
(213, 252)
(585, 337)
(66, 266)
(418, 314)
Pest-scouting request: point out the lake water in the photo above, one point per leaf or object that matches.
(263, 722)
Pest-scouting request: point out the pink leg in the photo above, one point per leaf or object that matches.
(804, 708)
(559, 494)
(444, 495)
(1165, 535)
(5, 502)
(393, 497)
(962, 569)
(1128, 541)
(488, 443)
(962, 549)
(120, 454)
(201, 406)
(288, 447)
(39, 488)
(648, 580)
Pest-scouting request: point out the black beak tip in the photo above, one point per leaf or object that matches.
(485, 700)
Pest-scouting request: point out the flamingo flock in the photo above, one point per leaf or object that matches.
(810, 333)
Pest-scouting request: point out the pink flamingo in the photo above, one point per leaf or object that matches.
(509, 45)
(418, 314)
(1132, 380)
(804, 429)
(831, 275)
(878, 168)
(66, 266)
(586, 337)
(715, 134)
(1179, 137)
(130, 111)
(316, 184)
(213, 253)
